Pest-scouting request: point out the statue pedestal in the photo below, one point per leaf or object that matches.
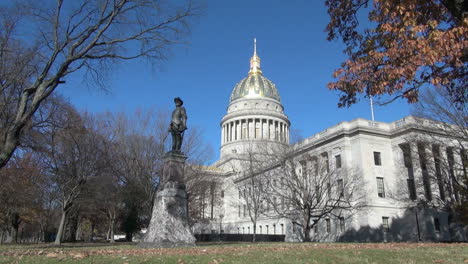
(169, 221)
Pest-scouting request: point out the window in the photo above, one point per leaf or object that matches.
(243, 230)
(405, 148)
(436, 224)
(260, 228)
(222, 194)
(238, 230)
(303, 168)
(342, 224)
(329, 190)
(274, 229)
(282, 229)
(438, 170)
(240, 194)
(411, 189)
(317, 193)
(340, 186)
(248, 230)
(244, 211)
(338, 161)
(464, 158)
(451, 163)
(425, 173)
(316, 227)
(239, 210)
(266, 229)
(380, 187)
(385, 225)
(326, 161)
(328, 225)
(377, 159)
(315, 168)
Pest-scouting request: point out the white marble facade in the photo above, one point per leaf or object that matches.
(255, 117)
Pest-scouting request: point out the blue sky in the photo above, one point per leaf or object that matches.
(295, 55)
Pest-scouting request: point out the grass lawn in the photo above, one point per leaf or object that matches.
(239, 253)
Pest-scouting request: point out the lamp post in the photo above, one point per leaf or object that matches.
(221, 223)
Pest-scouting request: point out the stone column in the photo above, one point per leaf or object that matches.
(270, 125)
(281, 131)
(233, 131)
(261, 128)
(169, 221)
(222, 134)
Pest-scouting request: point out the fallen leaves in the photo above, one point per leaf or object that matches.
(238, 250)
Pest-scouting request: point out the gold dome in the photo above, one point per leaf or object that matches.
(255, 84)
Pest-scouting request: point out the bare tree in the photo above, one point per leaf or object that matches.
(73, 158)
(105, 199)
(251, 187)
(68, 36)
(20, 192)
(438, 149)
(136, 149)
(278, 182)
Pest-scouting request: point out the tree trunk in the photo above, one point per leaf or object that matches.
(254, 231)
(112, 231)
(9, 146)
(71, 227)
(92, 231)
(108, 231)
(58, 238)
(15, 222)
(14, 235)
(307, 229)
(129, 236)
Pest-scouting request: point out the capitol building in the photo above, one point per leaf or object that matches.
(358, 180)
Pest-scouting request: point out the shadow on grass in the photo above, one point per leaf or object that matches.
(68, 245)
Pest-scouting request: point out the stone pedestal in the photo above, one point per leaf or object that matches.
(169, 220)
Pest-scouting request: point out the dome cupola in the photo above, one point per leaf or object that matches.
(254, 116)
(255, 84)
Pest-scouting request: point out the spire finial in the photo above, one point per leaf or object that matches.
(255, 46)
(255, 61)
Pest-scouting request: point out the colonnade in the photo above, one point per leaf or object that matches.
(425, 162)
(255, 128)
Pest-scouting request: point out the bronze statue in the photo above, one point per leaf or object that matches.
(178, 125)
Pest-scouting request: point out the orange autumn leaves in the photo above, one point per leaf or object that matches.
(414, 43)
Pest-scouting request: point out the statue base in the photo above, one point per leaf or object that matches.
(169, 220)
